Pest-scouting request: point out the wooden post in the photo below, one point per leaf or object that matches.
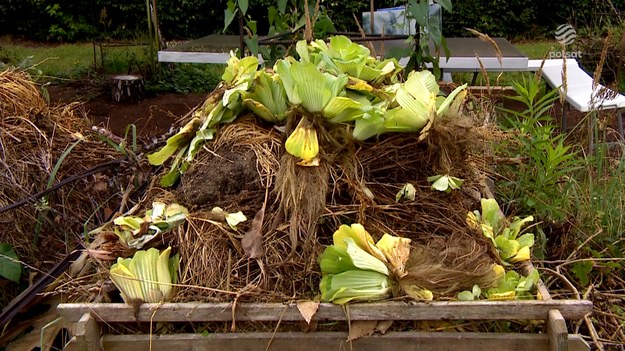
(127, 88)
(558, 334)
(88, 334)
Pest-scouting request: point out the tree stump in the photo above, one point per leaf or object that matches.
(127, 88)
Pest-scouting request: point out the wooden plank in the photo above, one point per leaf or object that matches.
(87, 334)
(272, 312)
(557, 332)
(196, 57)
(193, 57)
(397, 341)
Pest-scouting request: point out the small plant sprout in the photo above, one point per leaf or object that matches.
(445, 182)
(514, 286)
(512, 246)
(407, 192)
(472, 295)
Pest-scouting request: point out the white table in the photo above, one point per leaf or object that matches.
(465, 53)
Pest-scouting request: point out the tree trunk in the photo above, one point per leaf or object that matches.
(127, 88)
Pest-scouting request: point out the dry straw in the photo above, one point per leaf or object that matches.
(361, 188)
(33, 136)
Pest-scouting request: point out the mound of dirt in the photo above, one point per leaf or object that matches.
(216, 176)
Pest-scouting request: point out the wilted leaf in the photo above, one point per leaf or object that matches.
(170, 178)
(303, 141)
(441, 184)
(522, 255)
(146, 277)
(358, 329)
(445, 182)
(252, 242)
(384, 326)
(308, 309)
(407, 192)
(418, 293)
(100, 186)
(233, 219)
(476, 291)
(396, 250)
(180, 140)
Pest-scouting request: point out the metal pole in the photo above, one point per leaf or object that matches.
(372, 9)
(157, 38)
(241, 41)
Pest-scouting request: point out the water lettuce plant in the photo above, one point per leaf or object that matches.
(355, 268)
(335, 82)
(511, 246)
(146, 277)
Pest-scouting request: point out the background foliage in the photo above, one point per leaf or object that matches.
(68, 20)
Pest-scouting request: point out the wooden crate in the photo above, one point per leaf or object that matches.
(85, 320)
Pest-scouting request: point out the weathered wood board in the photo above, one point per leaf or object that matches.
(324, 341)
(87, 316)
(272, 312)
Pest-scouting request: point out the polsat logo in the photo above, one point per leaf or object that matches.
(565, 35)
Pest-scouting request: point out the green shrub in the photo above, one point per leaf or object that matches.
(186, 78)
(540, 183)
(68, 20)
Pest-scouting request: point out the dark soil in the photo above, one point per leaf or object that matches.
(214, 177)
(152, 116)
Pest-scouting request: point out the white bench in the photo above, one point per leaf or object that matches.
(581, 93)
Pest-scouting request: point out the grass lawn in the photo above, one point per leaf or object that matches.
(532, 49)
(537, 49)
(69, 61)
(64, 62)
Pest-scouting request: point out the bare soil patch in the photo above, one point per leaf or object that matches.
(214, 177)
(152, 116)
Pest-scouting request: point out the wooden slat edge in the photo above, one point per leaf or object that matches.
(556, 329)
(87, 333)
(337, 341)
(204, 312)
